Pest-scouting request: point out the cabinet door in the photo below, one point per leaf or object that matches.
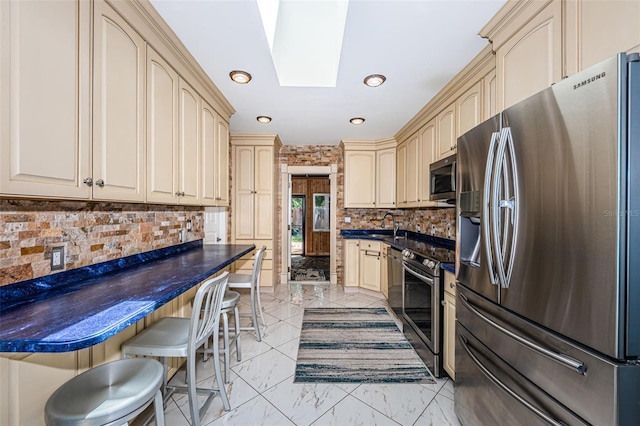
(445, 128)
(369, 269)
(208, 145)
(384, 272)
(596, 30)
(401, 178)
(118, 107)
(413, 160)
(359, 178)
(263, 192)
(449, 335)
(386, 178)
(44, 98)
(469, 110)
(351, 263)
(531, 60)
(243, 184)
(426, 155)
(222, 164)
(162, 130)
(28, 381)
(188, 145)
(490, 83)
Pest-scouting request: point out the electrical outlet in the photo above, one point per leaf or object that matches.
(417, 228)
(347, 219)
(57, 258)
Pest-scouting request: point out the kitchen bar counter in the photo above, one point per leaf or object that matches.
(412, 240)
(79, 308)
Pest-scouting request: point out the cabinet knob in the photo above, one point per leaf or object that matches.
(452, 285)
(442, 302)
(88, 181)
(100, 183)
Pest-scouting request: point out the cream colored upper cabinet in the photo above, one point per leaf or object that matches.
(426, 154)
(596, 30)
(263, 214)
(209, 136)
(531, 59)
(45, 98)
(253, 183)
(222, 164)
(118, 108)
(189, 166)
(243, 192)
(401, 175)
(413, 164)
(162, 130)
(360, 179)
(490, 83)
(446, 134)
(386, 178)
(469, 109)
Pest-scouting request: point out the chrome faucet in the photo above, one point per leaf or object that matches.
(395, 224)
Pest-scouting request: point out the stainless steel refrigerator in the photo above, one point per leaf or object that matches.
(548, 256)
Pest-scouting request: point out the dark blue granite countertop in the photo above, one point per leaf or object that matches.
(79, 308)
(441, 248)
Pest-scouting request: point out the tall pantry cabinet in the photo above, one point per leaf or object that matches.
(254, 162)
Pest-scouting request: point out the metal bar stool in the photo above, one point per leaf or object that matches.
(229, 304)
(252, 282)
(182, 337)
(109, 394)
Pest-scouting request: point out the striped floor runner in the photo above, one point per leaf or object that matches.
(356, 345)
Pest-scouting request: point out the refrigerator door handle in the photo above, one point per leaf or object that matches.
(486, 221)
(505, 158)
(513, 202)
(504, 387)
(498, 181)
(564, 360)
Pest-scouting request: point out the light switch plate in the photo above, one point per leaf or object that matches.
(347, 219)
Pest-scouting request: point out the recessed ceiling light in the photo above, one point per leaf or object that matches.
(374, 80)
(240, 77)
(357, 120)
(264, 119)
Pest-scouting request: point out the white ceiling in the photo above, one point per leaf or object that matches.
(419, 45)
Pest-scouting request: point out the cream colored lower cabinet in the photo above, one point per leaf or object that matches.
(384, 272)
(370, 265)
(28, 379)
(449, 326)
(351, 263)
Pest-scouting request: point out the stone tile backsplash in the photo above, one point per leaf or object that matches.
(90, 232)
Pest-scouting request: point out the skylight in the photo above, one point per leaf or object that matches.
(305, 39)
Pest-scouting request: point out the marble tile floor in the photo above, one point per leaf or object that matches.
(261, 388)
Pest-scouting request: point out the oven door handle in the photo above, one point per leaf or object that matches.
(489, 375)
(417, 275)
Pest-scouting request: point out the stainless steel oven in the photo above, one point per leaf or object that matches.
(422, 309)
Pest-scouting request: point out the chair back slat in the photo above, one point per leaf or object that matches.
(257, 266)
(207, 305)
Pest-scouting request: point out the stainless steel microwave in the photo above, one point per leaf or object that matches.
(443, 180)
